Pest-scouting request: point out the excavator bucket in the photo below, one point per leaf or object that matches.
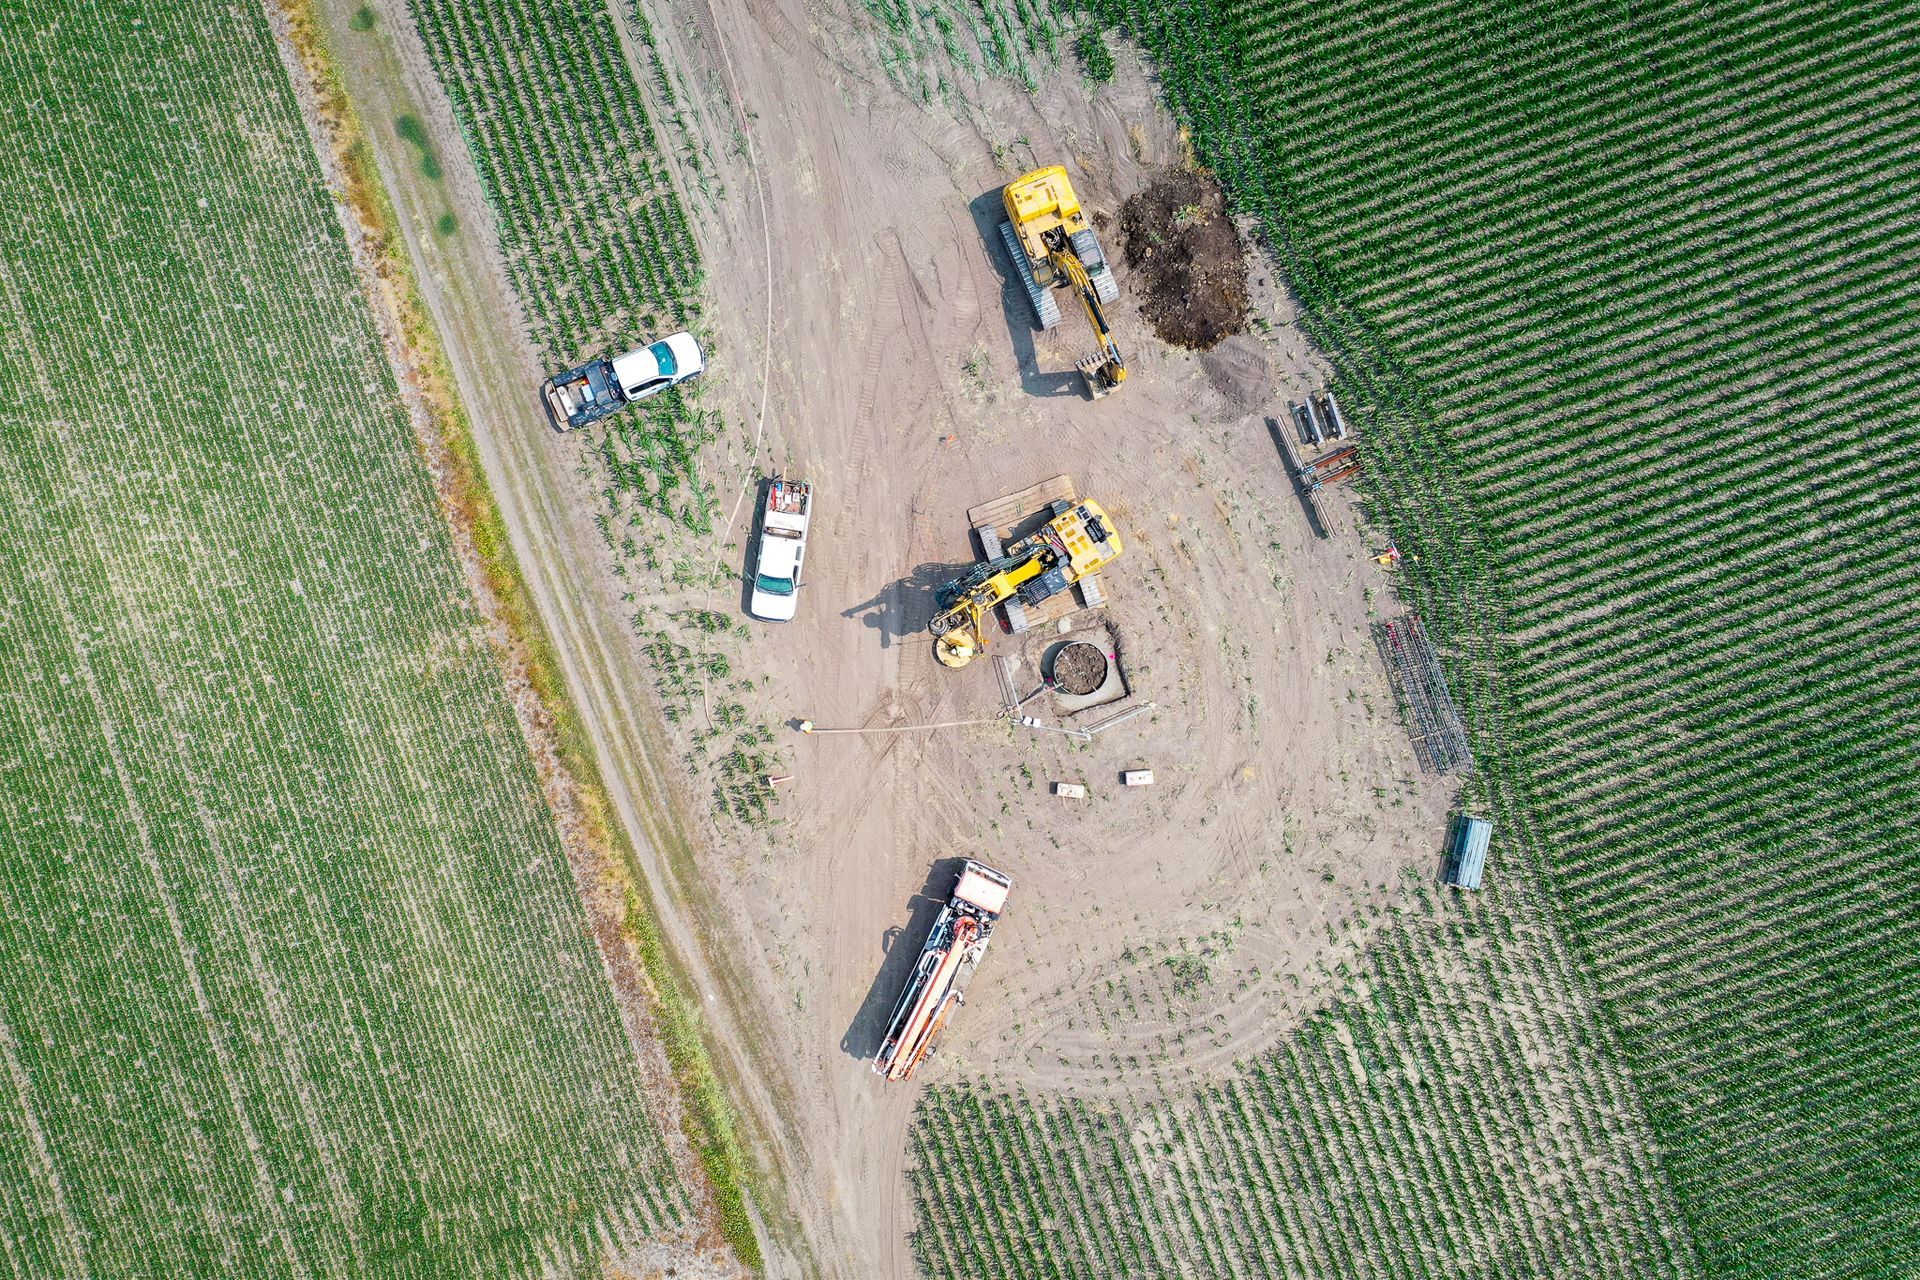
(1101, 375)
(956, 648)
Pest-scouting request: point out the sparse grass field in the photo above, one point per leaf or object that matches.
(600, 256)
(297, 980)
(595, 235)
(1019, 39)
(1627, 308)
(1455, 1111)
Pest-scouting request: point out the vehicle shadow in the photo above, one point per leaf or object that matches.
(904, 606)
(750, 549)
(901, 946)
(989, 212)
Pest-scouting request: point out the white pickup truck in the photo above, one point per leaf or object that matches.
(604, 386)
(783, 546)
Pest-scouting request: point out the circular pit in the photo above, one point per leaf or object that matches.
(1079, 668)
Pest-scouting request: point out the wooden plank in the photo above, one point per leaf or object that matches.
(1005, 514)
(1047, 610)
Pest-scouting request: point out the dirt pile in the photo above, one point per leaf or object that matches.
(1188, 265)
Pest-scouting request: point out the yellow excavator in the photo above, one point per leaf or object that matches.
(1052, 244)
(1076, 543)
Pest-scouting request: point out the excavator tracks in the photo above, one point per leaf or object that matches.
(1046, 310)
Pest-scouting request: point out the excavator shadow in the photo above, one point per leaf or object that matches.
(901, 945)
(988, 213)
(1028, 525)
(904, 606)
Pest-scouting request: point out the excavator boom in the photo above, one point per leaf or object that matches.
(1105, 369)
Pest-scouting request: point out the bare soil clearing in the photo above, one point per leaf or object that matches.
(907, 382)
(1188, 261)
(865, 331)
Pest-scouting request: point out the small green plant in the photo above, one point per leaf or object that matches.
(412, 131)
(1190, 972)
(1095, 56)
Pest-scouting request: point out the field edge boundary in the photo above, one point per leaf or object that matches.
(522, 643)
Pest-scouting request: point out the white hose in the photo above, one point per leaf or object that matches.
(807, 726)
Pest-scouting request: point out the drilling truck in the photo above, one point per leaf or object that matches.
(947, 962)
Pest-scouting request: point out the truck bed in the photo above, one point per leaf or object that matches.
(582, 396)
(789, 498)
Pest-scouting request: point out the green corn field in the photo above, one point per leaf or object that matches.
(595, 237)
(1626, 307)
(296, 980)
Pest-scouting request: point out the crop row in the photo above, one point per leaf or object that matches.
(1633, 337)
(596, 240)
(297, 978)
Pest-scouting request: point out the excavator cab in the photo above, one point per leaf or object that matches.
(1052, 244)
(1046, 214)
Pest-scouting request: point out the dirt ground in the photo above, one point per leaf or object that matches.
(864, 331)
(1187, 260)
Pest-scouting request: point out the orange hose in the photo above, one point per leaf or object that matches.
(919, 1028)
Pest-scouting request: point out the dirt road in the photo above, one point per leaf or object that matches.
(864, 333)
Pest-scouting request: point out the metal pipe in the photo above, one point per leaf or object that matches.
(1335, 418)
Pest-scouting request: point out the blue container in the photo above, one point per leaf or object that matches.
(1467, 855)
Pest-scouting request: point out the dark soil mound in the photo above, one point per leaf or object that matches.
(1079, 668)
(1189, 267)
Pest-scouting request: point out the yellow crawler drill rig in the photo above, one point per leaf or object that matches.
(1076, 543)
(1052, 244)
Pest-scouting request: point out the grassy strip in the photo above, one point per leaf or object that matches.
(709, 1121)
